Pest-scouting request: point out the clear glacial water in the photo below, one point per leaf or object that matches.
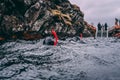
(89, 59)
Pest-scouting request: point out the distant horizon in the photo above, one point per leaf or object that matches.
(101, 11)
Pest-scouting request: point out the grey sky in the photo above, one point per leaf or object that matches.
(99, 10)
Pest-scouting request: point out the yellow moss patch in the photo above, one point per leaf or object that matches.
(65, 17)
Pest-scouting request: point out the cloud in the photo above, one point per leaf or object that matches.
(99, 11)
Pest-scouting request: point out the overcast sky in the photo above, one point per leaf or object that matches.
(99, 10)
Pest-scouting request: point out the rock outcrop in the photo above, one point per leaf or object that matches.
(89, 30)
(34, 19)
(115, 31)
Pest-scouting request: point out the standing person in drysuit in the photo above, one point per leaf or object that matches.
(106, 26)
(99, 26)
(50, 40)
(116, 21)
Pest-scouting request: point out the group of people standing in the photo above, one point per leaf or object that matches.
(102, 26)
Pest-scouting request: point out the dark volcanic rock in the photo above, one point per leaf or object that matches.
(21, 17)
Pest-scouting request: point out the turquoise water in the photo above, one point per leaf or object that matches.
(72, 59)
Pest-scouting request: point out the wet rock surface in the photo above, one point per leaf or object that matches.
(18, 17)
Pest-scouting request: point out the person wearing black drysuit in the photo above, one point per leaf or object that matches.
(99, 26)
(106, 26)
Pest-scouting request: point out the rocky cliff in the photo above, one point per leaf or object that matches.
(89, 30)
(34, 19)
(115, 31)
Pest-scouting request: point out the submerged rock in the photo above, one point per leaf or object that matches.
(18, 17)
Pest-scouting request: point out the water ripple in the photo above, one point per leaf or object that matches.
(72, 59)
